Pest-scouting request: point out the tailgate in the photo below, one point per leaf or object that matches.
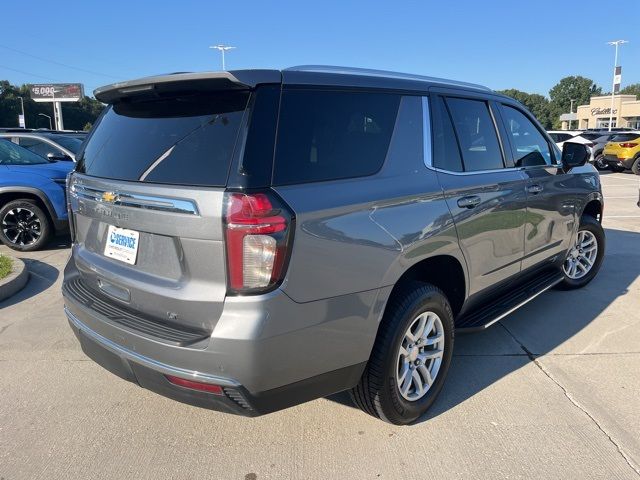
(179, 271)
(147, 200)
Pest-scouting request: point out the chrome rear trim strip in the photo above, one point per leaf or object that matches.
(134, 200)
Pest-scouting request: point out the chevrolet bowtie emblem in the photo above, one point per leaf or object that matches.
(109, 197)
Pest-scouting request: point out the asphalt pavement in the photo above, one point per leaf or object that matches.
(552, 391)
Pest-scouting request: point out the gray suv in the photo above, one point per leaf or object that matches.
(249, 240)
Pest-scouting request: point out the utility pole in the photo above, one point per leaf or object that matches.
(222, 49)
(616, 76)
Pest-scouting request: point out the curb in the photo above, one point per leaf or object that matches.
(15, 281)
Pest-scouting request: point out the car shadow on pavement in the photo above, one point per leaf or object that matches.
(41, 277)
(481, 359)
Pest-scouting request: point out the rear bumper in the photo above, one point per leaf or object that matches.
(267, 352)
(619, 162)
(236, 399)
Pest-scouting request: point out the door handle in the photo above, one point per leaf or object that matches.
(469, 202)
(534, 188)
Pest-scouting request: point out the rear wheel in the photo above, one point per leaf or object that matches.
(635, 168)
(585, 255)
(24, 226)
(410, 358)
(600, 163)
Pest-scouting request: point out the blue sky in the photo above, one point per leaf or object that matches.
(527, 45)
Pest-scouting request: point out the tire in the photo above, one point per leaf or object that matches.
(593, 230)
(635, 168)
(33, 228)
(599, 162)
(378, 393)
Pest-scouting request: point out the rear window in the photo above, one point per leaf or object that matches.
(185, 140)
(328, 135)
(625, 137)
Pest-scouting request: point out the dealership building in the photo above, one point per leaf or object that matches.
(626, 113)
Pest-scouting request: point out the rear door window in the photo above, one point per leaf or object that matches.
(187, 140)
(446, 153)
(328, 135)
(528, 146)
(476, 134)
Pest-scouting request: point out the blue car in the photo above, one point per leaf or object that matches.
(32, 197)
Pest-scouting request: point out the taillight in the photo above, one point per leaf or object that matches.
(628, 145)
(258, 228)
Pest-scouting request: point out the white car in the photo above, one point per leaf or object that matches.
(561, 136)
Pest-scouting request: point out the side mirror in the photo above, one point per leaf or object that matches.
(58, 156)
(574, 155)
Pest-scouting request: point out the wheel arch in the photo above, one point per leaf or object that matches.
(8, 194)
(593, 208)
(444, 271)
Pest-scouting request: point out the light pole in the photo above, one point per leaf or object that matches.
(24, 120)
(571, 111)
(222, 48)
(45, 115)
(613, 85)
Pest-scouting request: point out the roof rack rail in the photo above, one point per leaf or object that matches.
(382, 73)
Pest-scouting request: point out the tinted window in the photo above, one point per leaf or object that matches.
(330, 135)
(180, 140)
(528, 145)
(590, 136)
(70, 143)
(625, 137)
(39, 147)
(12, 154)
(476, 134)
(446, 154)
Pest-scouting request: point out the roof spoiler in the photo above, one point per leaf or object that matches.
(186, 83)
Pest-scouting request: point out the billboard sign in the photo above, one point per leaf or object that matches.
(56, 92)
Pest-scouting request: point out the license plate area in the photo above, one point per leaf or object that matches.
(122, 244)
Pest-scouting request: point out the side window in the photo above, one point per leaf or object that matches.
(328, 135)
(476, 134)
(446, 153)
(38, 146)
(529, 146)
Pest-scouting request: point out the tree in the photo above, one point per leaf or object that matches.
(76, 114)
(535, 103)
(577, 88)
(633, 89)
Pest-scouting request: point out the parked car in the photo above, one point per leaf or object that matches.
(596, 140)
(32, 197)
(623, 152)
(561, 136)
(334, 238)
(54, 146)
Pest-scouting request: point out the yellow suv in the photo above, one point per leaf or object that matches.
(623, 152)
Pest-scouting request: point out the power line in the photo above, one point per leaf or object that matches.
(59, 63)
(27, 73)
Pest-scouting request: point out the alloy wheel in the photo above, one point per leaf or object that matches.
(420, 356)
(581, 256)
(21, 226)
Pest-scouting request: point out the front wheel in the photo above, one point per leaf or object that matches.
(585, 255)
(410, 358)
(24, 226)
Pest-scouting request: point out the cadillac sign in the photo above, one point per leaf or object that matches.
(56, 92)
(603, 111)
